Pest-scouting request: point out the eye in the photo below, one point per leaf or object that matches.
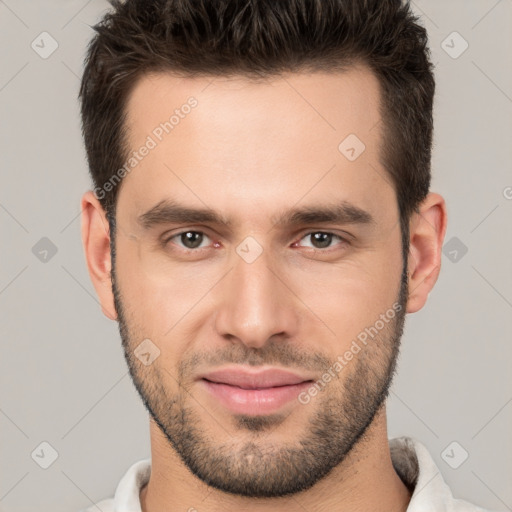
(321, 239)
(189, 239)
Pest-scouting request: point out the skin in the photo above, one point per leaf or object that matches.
(251, 151)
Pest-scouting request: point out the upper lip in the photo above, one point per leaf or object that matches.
(267, 378)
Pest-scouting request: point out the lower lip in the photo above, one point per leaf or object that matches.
(254, 401)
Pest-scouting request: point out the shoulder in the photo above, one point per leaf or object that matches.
(417, 469)
(126, 496)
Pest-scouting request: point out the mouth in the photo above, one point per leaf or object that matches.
(254, 393)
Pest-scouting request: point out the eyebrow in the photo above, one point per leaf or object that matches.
(168, 211)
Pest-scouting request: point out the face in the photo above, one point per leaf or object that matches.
(258, 277)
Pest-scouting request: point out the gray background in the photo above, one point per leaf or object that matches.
(63, 376)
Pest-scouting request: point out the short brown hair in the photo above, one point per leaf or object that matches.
(260, 38)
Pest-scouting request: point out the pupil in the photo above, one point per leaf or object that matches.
(322, 239)
(191, 239)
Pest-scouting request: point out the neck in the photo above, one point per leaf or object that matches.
(364, 481)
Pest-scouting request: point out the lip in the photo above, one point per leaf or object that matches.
(267, 378)
(254, 392)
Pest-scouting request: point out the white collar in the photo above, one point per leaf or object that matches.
(410, 458)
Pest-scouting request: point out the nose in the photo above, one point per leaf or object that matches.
(256, 303)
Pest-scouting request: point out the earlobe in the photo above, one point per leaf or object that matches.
(96, 243)
(427, 231)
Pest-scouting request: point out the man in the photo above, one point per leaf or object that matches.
(260, 225)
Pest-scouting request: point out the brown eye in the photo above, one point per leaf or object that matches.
(189, 239)
(321, 239)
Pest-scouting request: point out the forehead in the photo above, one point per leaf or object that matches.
(232, 141)
(339, 100)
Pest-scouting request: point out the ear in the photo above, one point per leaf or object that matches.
(96, 242)
(427, 231)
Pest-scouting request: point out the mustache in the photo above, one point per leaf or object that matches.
(274, 353)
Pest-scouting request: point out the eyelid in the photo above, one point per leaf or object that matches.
(166, 237)
(344, 239)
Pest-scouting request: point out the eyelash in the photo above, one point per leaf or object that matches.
(343, 241)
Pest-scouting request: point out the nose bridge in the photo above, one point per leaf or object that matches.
(256, 304)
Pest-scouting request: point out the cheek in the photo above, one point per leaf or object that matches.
(347, 297)
(171, 301)
(159, 296)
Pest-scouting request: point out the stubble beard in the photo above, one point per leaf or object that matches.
(258, 467)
